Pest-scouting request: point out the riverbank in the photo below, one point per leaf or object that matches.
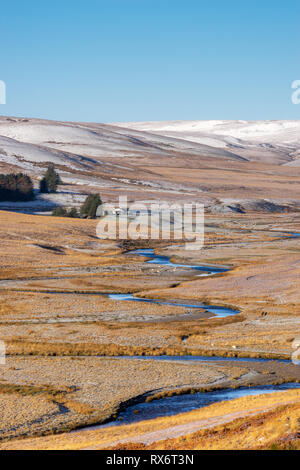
(245, 423)
(62, 332)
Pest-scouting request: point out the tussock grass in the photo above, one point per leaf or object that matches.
(30, 390)
(278, 429)
(263, 421)
(20, 347)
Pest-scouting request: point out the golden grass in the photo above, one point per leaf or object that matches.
(239, 431)
(274, 430)
(253, 285)
(20, 347)
(30, 390)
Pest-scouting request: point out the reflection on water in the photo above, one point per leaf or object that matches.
(171, 406)
(216, 310)
(205, 359)
(165, 260)
(179, 404)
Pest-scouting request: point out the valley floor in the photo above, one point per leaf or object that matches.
(58, 325)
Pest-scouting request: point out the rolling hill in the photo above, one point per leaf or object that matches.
(227, 165)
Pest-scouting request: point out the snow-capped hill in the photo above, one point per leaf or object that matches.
(246, 163)
(269, 141)
(245, 130)
(99, 140)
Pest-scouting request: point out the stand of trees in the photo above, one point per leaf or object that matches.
(63, 212)
(19, 187)
(50, 181)
(16, 187)
(88, 209)
(90, 205)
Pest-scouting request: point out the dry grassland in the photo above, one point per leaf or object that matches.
(246, 423)
(53, 274)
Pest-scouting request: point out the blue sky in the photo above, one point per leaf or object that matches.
(141, 60)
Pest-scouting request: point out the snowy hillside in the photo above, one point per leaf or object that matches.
(30, 143)
(97, 140)
(269, 141)
(209, 161)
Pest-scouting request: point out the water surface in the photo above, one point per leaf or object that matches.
(165, 261)
(215, 309)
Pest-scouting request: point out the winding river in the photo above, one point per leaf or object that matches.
(182, 403)
(207, 359)
(169, 406)
(165, 261)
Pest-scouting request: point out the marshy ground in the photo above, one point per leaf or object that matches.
(58, 323)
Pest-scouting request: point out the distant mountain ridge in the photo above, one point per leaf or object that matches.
(275, 142)
(226, 165)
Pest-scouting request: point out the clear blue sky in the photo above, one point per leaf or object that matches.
(140, 60)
